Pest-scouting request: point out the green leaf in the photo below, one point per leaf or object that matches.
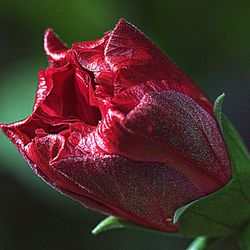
(207, 215)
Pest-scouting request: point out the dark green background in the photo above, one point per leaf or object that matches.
(210, 40)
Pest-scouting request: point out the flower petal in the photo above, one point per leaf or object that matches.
(22, 132)
(54, 49)
(127, 46)
(171, 128)
(44, 87)
(138, 61)
(45, 159)
(90, 55)
(63, 96)
(49, 148)
(147, 193)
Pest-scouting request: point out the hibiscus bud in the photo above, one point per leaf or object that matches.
(120, 128)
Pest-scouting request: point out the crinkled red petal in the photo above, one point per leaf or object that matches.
(63, 96)
(138, 61)
(51, 146)
(54, 49)
(90, 55)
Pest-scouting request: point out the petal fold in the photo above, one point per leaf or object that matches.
(54, 49)
(90, 55)
(63, 96)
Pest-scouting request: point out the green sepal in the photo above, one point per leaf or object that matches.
(220, 213)
(203, 243)
(112, 222)
(218, 108)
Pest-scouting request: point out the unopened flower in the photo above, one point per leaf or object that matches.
(120, 128)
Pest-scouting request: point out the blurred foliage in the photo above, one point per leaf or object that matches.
(209, 40)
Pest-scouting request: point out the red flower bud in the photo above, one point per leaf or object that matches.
(120, 128)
